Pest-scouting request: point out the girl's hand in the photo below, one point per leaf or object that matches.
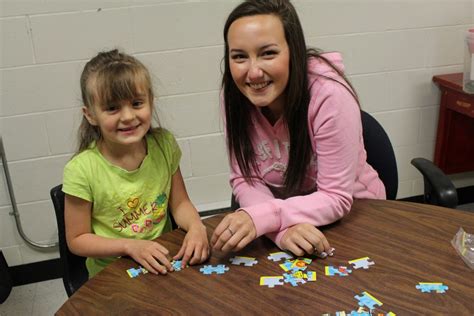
(305, 238)
(149, 254)
(234, 232)
(195, 246)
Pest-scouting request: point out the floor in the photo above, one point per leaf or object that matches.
(35, 299)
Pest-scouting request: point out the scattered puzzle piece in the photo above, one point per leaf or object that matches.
(361, 263)
(311, 276)
(289, 278)
(277, 256)
(368, 300)
(286, 266)
(427, 287)
(300, 264)
(177, 265)
(219, 269)
(247, 261)
(133, 273)
(357, 313)
(341, 271)
(271, 281)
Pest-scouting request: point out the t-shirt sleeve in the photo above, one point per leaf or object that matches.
(75, 181)
(173, 151)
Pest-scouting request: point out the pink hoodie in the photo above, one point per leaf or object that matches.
(337, 174)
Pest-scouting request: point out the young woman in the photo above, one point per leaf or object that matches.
(293, 130)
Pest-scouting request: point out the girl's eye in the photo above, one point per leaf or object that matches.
(111, 108)
(137, 103)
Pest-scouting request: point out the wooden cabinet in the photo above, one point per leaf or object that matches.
(454, 151)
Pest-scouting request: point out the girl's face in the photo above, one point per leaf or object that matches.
(259, 60)
(123, 123)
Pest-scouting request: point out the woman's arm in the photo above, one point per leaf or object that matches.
(336, 134)
(82, 242)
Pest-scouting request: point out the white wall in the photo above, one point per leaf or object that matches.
(391, 48)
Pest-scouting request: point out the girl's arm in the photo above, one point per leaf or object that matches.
(195, 248)
(82, 242)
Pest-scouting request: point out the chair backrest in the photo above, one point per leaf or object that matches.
(380, 154)
(74, 267)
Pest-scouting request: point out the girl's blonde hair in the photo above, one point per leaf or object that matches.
(107, 78)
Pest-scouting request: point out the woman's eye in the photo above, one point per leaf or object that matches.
(269, 53)
(237, 57)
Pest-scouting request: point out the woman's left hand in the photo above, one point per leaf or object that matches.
(303, 239)
(234, 232)
(195, 247)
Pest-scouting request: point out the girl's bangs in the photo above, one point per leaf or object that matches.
(121, 82)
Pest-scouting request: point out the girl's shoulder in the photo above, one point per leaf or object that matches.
(84, 156)
(161, 137)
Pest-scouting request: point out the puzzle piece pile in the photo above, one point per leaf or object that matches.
(294, 271)
(361, 263)
(368, 306)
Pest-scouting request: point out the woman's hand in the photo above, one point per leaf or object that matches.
(234, 232)
(305, 238)
(149, 254)
(195, 246)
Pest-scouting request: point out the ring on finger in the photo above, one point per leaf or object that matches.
(230, 230)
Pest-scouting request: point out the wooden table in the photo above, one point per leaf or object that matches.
(455, 134)
(409, 243)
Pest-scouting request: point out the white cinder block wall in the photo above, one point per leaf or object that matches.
(391, 49)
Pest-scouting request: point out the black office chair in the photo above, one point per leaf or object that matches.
(380, 156)
(5, 279)
(74, 267)
(439, 190)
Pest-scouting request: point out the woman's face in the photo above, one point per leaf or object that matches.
(259, 60)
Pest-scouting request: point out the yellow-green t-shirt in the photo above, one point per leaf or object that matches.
(125, 204)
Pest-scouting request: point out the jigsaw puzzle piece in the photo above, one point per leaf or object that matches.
(271, 281)
(219, 269)
(364, 263)
(366, 299)
(427, 287)
(278, 256)
(247, 261)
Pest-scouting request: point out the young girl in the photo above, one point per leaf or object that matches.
(126, 174)
(294, 133)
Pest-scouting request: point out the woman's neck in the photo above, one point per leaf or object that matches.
(271, 116)
(128, 157)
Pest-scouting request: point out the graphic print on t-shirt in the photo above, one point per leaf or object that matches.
(141, 216)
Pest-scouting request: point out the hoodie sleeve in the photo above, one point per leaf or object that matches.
(335, 131)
